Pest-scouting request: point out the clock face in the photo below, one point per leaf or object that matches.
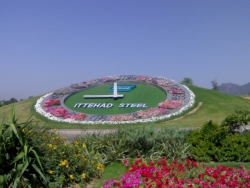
(117, 99)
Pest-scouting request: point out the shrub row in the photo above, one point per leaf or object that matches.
(212, 142)
(135, 142)
(218, 143)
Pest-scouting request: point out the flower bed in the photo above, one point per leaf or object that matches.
(164, 173)
(151, 112)
(175, 90)
(170, 104)
(51, 102)
(63, 113)
(49, 105)
(122, 118)
(164, 82)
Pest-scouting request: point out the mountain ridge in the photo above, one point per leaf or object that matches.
(235, 89)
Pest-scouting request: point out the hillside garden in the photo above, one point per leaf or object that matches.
(133, 156)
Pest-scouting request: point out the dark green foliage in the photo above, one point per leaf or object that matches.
(111, 146)
(215, 85)
(187, 81)
(66, 163)
(19, 162)
(214, 143)
(236, 120)
(235, 147)
(13, 100)
(134, 142)
(206, 141)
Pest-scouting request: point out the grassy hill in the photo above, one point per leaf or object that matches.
(215, 106)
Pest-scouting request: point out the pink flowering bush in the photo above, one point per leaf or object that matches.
(151, 112)
(174, 174)
(51, 102)
(79, 85)
(143, 78)
(125, 162)
(78, 116)
(175, 90)
(170, 104)
(62, 112)
(58, 111)
(163, 82)
(108, 79)
(121, 118)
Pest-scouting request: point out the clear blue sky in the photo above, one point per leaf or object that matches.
(46, 45)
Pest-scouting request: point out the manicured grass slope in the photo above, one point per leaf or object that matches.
(22, 109)
(215, 106)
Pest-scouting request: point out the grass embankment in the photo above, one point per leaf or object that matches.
(215, 106)
(23, 109)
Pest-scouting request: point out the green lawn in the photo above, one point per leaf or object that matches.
(113, 170)
(232, 164)
(143, 94)
(215, 106)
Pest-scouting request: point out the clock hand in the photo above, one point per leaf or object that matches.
(115, 90)
(115, 94)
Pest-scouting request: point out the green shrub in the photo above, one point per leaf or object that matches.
(134, 142)
(19, 162)
(214, 143)
(235, 147)
(236, 120)
(206, 141)
(64, 163)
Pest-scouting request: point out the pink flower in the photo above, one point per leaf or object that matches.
(170, 104)
(164, 173)
(125, 162)
(51, 102)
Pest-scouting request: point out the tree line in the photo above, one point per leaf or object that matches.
(189, 81)
(11, 101)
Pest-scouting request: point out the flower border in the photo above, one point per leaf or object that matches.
(39, 109)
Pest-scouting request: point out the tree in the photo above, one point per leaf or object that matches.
(215, 85)
(236, 120)
(187, 81)
(13, 100)
(6, 102)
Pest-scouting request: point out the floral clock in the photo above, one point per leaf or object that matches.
(122, 99)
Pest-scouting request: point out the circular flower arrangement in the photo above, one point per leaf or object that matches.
(178, 99)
